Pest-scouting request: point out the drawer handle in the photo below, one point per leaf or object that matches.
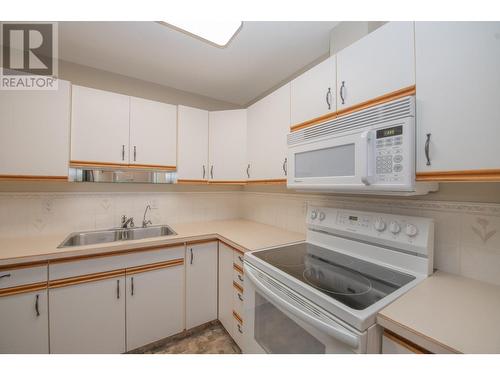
(427, 144)
(36, 305)
(6, 275)
(192, 257)
(239, 329)
(240, 258)
(240, 297)
(132, 286)
(117, 289)
(240, 278)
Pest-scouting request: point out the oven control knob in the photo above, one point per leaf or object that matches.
(379, 225)
(411, 230)
(394, 227)
(322, 216)
(314, 214)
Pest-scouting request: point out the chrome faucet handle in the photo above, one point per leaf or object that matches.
(132, 225)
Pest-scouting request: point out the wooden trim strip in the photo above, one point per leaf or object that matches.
(237, 317)
(227, 182)
(197, 242)
(60, 283)
(276, 181)
(238, 287)
(465, 175)
(23, 265)
(192, 182)
(115, 253)
(232, 247)
(154, 266)
(97, 164)
(238, 268)
(23, 289)
(410, 90)
(405, 343)
(13, 177)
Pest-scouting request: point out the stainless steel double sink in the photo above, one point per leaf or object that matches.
(118, 234)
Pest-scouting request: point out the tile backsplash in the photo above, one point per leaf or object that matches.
(467, 239)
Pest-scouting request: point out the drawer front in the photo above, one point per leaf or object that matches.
(238, 258)
(392, 344)
(238, 277)
(238, 300)
(22, 276)
(108, 263)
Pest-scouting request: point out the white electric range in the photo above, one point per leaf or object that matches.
(322, 295)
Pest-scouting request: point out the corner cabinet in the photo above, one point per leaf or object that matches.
(201, 283)
(313, 94)
(227, 146)
(268, 124)
(35, 133)
(458, 112)
(381, 63)
(192, 165)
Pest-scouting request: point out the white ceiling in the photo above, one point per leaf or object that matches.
(261, 56)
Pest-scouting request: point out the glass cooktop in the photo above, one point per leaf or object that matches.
(354, 282)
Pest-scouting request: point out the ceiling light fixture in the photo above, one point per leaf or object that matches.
(218, 33)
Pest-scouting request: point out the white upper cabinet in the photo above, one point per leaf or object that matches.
(268, 124)
(227, 145)
(99, 126)
(458, 96)
(192, 162)
(313, 94)
(34, 132)
(153, 133)
(380, 63)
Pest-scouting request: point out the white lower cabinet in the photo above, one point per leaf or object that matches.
(88, 317)
(201, 283)
(226, 287)
(155, 305)
(24, 323)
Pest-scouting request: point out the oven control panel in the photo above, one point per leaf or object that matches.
(410, 232)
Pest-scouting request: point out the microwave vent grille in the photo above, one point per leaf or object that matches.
(395, 110)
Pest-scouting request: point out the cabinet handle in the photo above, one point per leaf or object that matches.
(248, 170)
(240, 297)
(427, 144)
(285, 166)
(342, 92)
(328, 97)
(203, 171)
(239, 329)
(212, 172)
(132, 286)
(36, 305)
(123, 152)
(240, 258)
(117, 289)
(6, 275)
(191, 261)
(135, 153)
(240, 278)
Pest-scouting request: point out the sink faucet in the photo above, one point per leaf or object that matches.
(127, 223)
(144, 221)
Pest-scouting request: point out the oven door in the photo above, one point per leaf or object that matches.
(280, 321)
(339, 162)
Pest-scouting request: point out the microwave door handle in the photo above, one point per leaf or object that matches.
(367, 176)
(332, 330)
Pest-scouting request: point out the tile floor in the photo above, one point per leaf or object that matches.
(210, 339)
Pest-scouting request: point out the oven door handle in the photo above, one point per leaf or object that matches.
(334, 330)
(367, 177)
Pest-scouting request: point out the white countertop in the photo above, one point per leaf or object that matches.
(244, 235)
(447, 314)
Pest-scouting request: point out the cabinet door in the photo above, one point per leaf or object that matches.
(155, 305)
(458, 80)
(153, 133)
(226, 287)
(267, 127)
(201, 284)
(34, 132)
(313, 93)
(99, 126)
(380, 63)
(88, 317)
(227, 145)
(192, 162)
(24, 324)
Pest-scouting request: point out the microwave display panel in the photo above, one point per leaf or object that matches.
(390, 132)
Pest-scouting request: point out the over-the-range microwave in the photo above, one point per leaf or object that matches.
(367, 151)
